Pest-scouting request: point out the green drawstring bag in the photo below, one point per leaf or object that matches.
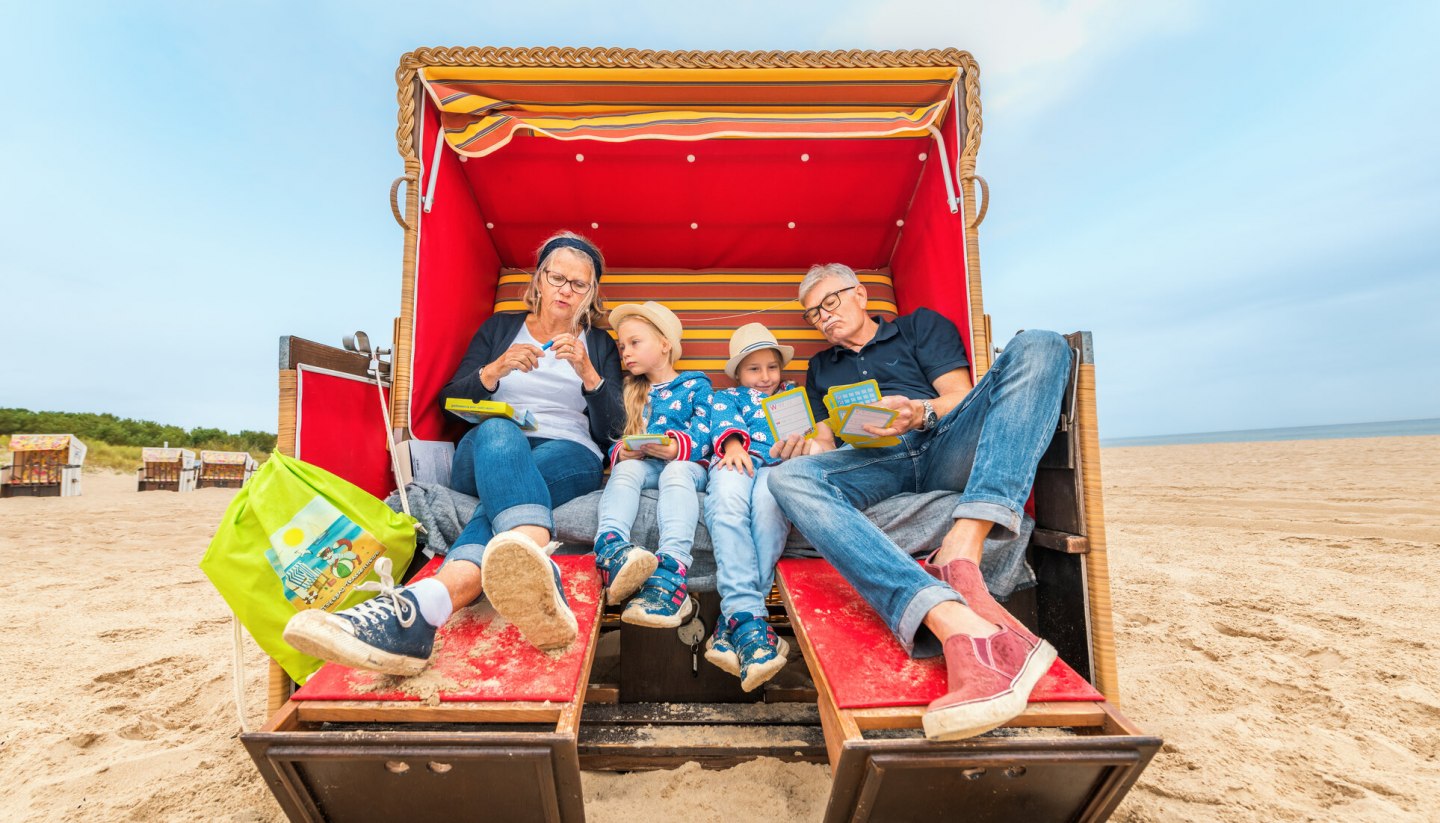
(298, 537)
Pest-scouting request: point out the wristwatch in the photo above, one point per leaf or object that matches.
(930, 417)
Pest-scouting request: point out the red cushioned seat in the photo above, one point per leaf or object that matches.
(862, 662)
(479, 657)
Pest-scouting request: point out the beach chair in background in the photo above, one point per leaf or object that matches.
(225, 470)
(43, 465)
(167, 469)
(712, 181)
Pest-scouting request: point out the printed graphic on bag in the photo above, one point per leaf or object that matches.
(320, 555)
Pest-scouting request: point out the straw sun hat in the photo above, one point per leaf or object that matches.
(664, 320)
(750, 338)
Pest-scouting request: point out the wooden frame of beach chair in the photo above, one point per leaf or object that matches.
(43, 465)
(167, 469)
(674, 218)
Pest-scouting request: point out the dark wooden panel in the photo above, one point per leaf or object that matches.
(1061, 608)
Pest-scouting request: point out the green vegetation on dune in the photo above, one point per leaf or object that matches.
(115, 442)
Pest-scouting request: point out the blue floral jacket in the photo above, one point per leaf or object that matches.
(738, 411)
(681, 409)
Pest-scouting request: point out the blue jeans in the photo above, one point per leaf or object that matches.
(677, 512)
(747, 531)
(518, 479)
(987, 447)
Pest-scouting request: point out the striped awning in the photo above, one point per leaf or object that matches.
(483, 108)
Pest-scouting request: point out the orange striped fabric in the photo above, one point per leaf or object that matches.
(711, 304)
(482, 108)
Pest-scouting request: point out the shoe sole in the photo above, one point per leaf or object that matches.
(520, 583)
(638, 617)
(316, 633)
(756, 676)
(728, 662)
(969, 719)
(639, 565)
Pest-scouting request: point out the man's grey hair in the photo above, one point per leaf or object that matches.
(820, 272)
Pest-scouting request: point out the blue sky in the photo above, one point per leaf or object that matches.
(1241, 201)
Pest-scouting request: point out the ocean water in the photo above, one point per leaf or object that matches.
(1389, 428)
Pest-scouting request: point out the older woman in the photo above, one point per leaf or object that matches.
(554, 361)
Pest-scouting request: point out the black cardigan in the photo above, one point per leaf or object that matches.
(604, 406)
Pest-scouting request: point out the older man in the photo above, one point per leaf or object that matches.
(983, 441)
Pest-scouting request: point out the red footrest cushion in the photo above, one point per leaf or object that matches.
(479, 656)
(864, 665)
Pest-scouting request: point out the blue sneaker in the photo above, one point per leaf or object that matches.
(623, 566)
(762, 652)
(664, 602)
(523, 585)
(385, 634)
(720, 651)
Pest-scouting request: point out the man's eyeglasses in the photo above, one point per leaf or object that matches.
(558, 280)
(829, 302)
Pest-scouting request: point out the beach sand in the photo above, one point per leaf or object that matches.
(1274, 614)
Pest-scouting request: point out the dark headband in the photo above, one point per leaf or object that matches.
(572, 243)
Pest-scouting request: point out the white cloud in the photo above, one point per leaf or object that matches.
(1031, 52)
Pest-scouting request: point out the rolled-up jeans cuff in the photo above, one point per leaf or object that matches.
(995, 511)
(470, 553)
(525, 514)
(912, 619)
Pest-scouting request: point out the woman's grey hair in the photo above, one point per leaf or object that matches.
(820, 272)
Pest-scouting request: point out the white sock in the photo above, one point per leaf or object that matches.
(434, 601)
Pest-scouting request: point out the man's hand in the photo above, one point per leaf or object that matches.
(909, 415)
(737, 458)
(656, 450)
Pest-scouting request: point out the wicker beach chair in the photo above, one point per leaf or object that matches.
(712, 180)
(167, 469)
(43, 465)
(225, 470)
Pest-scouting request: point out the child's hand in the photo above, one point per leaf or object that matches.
(622, 454)
(736, 458)
(656, 450)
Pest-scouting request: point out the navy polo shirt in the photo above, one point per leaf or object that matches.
(905, 357)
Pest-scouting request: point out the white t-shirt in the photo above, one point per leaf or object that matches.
(553, 393)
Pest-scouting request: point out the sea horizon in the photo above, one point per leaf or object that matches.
(1384, 428)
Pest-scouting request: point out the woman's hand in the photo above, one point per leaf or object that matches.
(658, 451)
(737, 458)
(571, 349)
(522, 356)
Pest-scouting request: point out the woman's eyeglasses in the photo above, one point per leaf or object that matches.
(829, 302)
(559, 280)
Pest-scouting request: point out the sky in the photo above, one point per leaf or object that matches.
(1240, 200)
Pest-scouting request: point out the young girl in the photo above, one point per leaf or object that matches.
(658, 400)
(746, 526)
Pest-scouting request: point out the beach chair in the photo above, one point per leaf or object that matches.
(225, 470)
(43, 465)
(712, 181)
(167, 469)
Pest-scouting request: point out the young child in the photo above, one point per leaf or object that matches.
(747, 528)
(658, 400)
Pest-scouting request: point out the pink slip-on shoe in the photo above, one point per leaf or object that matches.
(990, 680)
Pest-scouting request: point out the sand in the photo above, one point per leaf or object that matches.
(1274, 620)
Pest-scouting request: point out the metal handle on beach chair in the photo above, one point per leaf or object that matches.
(984, 199)
(395, 202)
